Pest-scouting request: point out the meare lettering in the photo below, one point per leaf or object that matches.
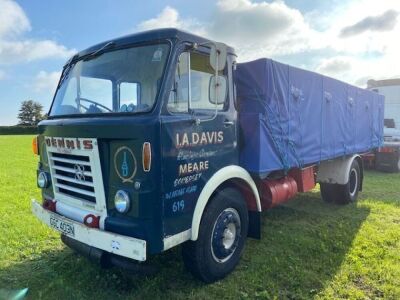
(69, 143)
(198, 138)
(189, 168)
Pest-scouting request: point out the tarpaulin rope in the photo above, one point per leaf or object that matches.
(270, 120)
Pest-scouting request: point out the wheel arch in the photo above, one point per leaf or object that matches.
(337, 170)
(232, 176)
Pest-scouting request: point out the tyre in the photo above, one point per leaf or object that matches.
(327, 192)
(343, 193)
(222, 235)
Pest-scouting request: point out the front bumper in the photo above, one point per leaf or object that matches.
(110, 242)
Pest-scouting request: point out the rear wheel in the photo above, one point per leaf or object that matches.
(343, 193)
(222, 234)
(327, 192)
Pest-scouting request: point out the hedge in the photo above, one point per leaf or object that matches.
(8, 130)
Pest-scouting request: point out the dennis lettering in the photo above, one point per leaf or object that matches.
(69, 143)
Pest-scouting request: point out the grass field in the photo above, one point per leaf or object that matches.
(309, 249)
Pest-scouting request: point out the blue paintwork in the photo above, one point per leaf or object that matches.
(150, 36)
(224, 154)
(159, 209)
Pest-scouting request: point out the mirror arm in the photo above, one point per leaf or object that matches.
(216, 84)
(195, 120)
(189, 82)
(194, 46)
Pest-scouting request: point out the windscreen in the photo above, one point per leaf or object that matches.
(118, 81)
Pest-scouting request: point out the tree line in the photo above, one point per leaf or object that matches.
(30, 113)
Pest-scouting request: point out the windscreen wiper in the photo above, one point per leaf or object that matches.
(73, 60)
(67, 69)
(99, 51)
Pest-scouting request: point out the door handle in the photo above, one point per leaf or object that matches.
(228, 123)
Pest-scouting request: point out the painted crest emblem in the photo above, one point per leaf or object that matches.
(125, 164)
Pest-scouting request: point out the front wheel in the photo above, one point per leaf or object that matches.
(343, 193)
(222, 235)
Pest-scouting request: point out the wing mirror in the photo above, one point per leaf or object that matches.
(218, 54)
(217, 89)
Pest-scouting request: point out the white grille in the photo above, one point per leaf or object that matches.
(73, 176)
(76, 173)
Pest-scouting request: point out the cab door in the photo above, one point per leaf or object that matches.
(199, 138)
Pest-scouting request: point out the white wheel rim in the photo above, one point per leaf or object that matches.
(229, 236)
(353, 180)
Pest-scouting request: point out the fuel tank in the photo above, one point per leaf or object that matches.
(276, 191)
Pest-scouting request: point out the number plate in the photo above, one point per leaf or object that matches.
(62, 226)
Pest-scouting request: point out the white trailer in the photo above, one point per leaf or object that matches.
(388, 157)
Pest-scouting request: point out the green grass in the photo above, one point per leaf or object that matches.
(309, 249)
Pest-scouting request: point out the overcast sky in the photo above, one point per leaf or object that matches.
(352, 40)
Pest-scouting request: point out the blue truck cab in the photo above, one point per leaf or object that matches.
(141, 152)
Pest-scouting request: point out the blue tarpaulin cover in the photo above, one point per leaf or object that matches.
(291, 117)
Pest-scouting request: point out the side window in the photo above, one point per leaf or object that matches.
(129, 93)
(197, 97)
(179, 97)
(200, 75)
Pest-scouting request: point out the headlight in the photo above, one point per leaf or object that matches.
(43, 180)
(122, 201)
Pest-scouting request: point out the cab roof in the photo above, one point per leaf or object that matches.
(147, 36)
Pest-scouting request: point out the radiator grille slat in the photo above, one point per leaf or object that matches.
(71, 161)
(76, 190)
(72, 180)
(71, 170)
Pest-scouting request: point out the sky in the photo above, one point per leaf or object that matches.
(352, 40)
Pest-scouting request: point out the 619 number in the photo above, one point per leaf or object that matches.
(178, 206)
